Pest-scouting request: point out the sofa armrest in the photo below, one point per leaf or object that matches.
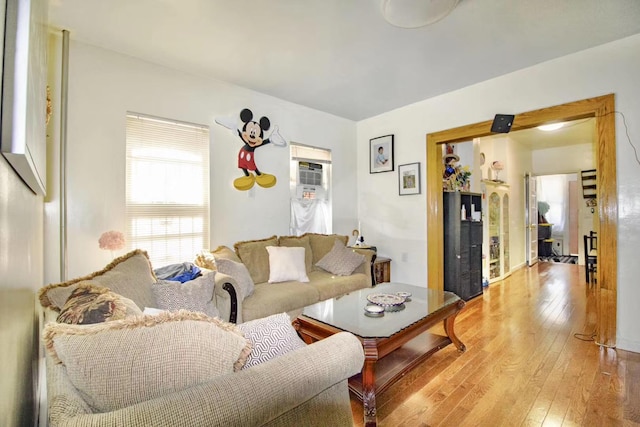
(367, 266)
(226, 296)
(251, 397)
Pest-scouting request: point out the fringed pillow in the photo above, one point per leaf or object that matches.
(130, 275)
(118, 364)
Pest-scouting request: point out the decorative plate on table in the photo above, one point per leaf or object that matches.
(386, 300)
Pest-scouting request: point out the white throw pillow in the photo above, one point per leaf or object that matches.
(286, 263)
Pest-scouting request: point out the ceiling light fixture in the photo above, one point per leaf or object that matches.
(416, 13)
(551, 127)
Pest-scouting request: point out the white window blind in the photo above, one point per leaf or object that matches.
(167, 194)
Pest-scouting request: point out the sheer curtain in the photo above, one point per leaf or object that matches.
(310, 193)
(310, 215)
(554, 189)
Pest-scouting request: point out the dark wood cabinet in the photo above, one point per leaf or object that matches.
(463, 244)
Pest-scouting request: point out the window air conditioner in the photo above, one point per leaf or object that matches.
(309, 185)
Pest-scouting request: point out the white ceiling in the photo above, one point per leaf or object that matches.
(340, 56)
(576, 132)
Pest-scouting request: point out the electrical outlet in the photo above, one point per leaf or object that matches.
(405, 257)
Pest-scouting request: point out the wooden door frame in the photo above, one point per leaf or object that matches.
(601, 108)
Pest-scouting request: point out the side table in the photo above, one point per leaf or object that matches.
(382, 269)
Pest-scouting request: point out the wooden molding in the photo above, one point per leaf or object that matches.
(601, 108)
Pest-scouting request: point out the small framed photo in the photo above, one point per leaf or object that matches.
(409, 179)
(381, 154)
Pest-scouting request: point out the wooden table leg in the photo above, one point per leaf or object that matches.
(448, 328)
(369, 382)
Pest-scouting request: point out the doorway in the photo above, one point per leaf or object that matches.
(600, 108)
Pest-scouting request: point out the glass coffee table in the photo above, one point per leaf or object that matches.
(393, 343)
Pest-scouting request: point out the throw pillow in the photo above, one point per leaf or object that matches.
(130, 275)
(286, 264)
(321, 244)
(341, 260)
(254, 256)
(303, 241)
(94, 304)
(194, 295)
(207, 259)
(118, 364)
(270, 337)
(239, 272)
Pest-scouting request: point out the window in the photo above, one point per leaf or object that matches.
(310, 185)
(167, 188)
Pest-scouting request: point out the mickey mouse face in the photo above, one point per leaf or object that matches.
(252, 134)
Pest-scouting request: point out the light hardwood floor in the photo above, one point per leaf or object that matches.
(524, 364)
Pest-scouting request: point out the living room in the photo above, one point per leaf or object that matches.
(105, 85)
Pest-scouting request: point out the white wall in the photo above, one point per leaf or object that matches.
(104, 85)
(397, 225)
(21, 267)
(570, 159)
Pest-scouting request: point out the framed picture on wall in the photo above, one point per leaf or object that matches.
(381, 154)
(409, 179)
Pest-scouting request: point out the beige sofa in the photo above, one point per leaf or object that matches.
(288, 296)
(306, 385)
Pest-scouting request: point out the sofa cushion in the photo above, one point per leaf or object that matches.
(321, 244)
(269, 298)
(270, 337)
(130, 275)
(340, 260)
(118, 364)
(299, 241)
(254, 256)
(239, 272)
(194, 295)
(286, 263)
(329, 285)
(94, 304)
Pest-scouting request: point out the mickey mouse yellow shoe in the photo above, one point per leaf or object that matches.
(244, 183)
(266, 180)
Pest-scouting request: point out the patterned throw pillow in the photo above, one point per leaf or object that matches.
(130, 275)
(118, 364)
(194, 295)
(321, 244)
(94, 304)
(239, 272)
(270, 337)
(341, 260)
(287, 263)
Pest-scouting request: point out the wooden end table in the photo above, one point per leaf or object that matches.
(393, 344)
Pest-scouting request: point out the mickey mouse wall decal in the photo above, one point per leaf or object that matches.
(252, 134)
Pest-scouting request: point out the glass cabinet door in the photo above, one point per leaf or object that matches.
(495, 261)
(505, 234)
